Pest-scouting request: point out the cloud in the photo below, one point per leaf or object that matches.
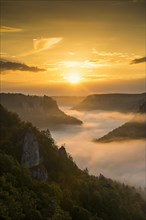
(5, 29)
(3, 54)
(137, 1)
(109, 57)
(108, 54)
(114, 57)
(43, 44)
(71, 53)
(8, 65)
(123, 2)
(139, 60)
(123, 161)
(89, 64)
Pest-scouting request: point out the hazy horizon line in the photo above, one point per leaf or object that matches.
(57, 95)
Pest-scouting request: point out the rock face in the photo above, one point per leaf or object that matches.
(39, 172)
(62, 151)
(42, 111)
(31, 156)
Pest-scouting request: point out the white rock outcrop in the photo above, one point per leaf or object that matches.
(30, 156)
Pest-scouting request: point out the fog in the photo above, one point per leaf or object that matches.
(122, 161)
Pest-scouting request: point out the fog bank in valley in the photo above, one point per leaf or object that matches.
(123, 161)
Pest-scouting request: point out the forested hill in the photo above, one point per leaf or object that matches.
(112, 102)
(133, 129)
(42, 111)
(39, 181)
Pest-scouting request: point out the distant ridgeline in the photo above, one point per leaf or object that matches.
(38, 181)
(134, 129)
(68, 100)
(41, 111)
(112, 102)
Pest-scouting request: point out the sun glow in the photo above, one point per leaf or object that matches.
(73, 78)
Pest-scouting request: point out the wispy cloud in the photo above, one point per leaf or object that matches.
(139, 60)
(123, 2)
(135, 1)
(71, 53)
(114, 57)
(46, 43)
(3, 54)
(43, 44)
(8, 65)
(5, 29)
(80, 64)
(105, 53)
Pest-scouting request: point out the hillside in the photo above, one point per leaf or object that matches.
(40, 181)
(112, 102)
(68, 100)
(41, 111)
(134, 129)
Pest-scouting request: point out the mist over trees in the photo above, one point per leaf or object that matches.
(68, 193)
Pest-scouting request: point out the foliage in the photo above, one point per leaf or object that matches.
(69, 193)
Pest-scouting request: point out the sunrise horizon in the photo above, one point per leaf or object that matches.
(73, 110)
(76, 47)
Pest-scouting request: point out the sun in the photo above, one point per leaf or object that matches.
(73, 78)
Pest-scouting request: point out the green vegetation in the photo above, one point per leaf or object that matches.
(68, 194)
(128, 131)
(133, 129)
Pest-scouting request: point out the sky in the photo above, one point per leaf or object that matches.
(73, 47)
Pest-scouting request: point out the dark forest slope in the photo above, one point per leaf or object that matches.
(134, 129)
(66, 192)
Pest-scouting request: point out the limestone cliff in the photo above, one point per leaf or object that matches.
(42, 111)
(39, 172)
(62, 152)
(31, 156)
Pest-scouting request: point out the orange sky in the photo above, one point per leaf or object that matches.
(84, 47)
